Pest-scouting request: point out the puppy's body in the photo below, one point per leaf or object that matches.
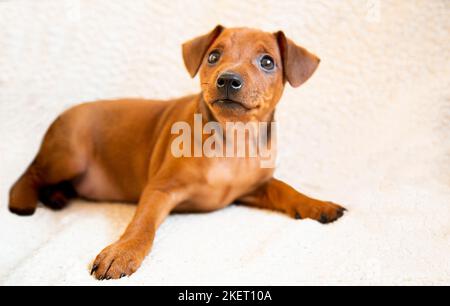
(121, 150)
(117, 146)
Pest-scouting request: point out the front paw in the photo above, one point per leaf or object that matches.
(117, 260)
(324, 212)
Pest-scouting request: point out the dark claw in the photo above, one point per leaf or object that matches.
(122, 275)
(323, 219)
(108, 277)
(341, 212)
(298, 216)
(94, 268)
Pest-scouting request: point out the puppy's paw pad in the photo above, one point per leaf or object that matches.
(328, 212)
(323, 212)
(53, 199)
(116, 261)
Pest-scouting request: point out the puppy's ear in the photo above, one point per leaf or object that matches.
(298, 63)
(195, 49)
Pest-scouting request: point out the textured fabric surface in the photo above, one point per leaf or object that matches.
(370, 130)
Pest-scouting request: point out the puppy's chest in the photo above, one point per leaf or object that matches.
(233, 177)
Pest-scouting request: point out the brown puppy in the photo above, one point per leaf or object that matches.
(121, 150)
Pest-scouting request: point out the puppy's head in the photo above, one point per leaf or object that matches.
(243, 71)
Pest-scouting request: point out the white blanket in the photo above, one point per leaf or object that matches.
(370, 130)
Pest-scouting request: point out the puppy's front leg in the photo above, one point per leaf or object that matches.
(125, 256)
(279, 196)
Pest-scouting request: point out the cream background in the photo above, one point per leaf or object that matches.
(370, 130)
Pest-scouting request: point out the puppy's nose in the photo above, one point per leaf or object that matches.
(229, 82)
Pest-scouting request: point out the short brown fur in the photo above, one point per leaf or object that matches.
(120, 150)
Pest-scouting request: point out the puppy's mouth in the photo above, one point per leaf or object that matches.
(231, 105)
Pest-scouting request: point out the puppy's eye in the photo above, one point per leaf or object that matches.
(267, 63)
(214, 57)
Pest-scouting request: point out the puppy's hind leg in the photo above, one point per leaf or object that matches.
(57, 196)
(60, 160)
(23, 196)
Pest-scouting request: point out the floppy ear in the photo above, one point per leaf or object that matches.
(195, 49)
(298, 63)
